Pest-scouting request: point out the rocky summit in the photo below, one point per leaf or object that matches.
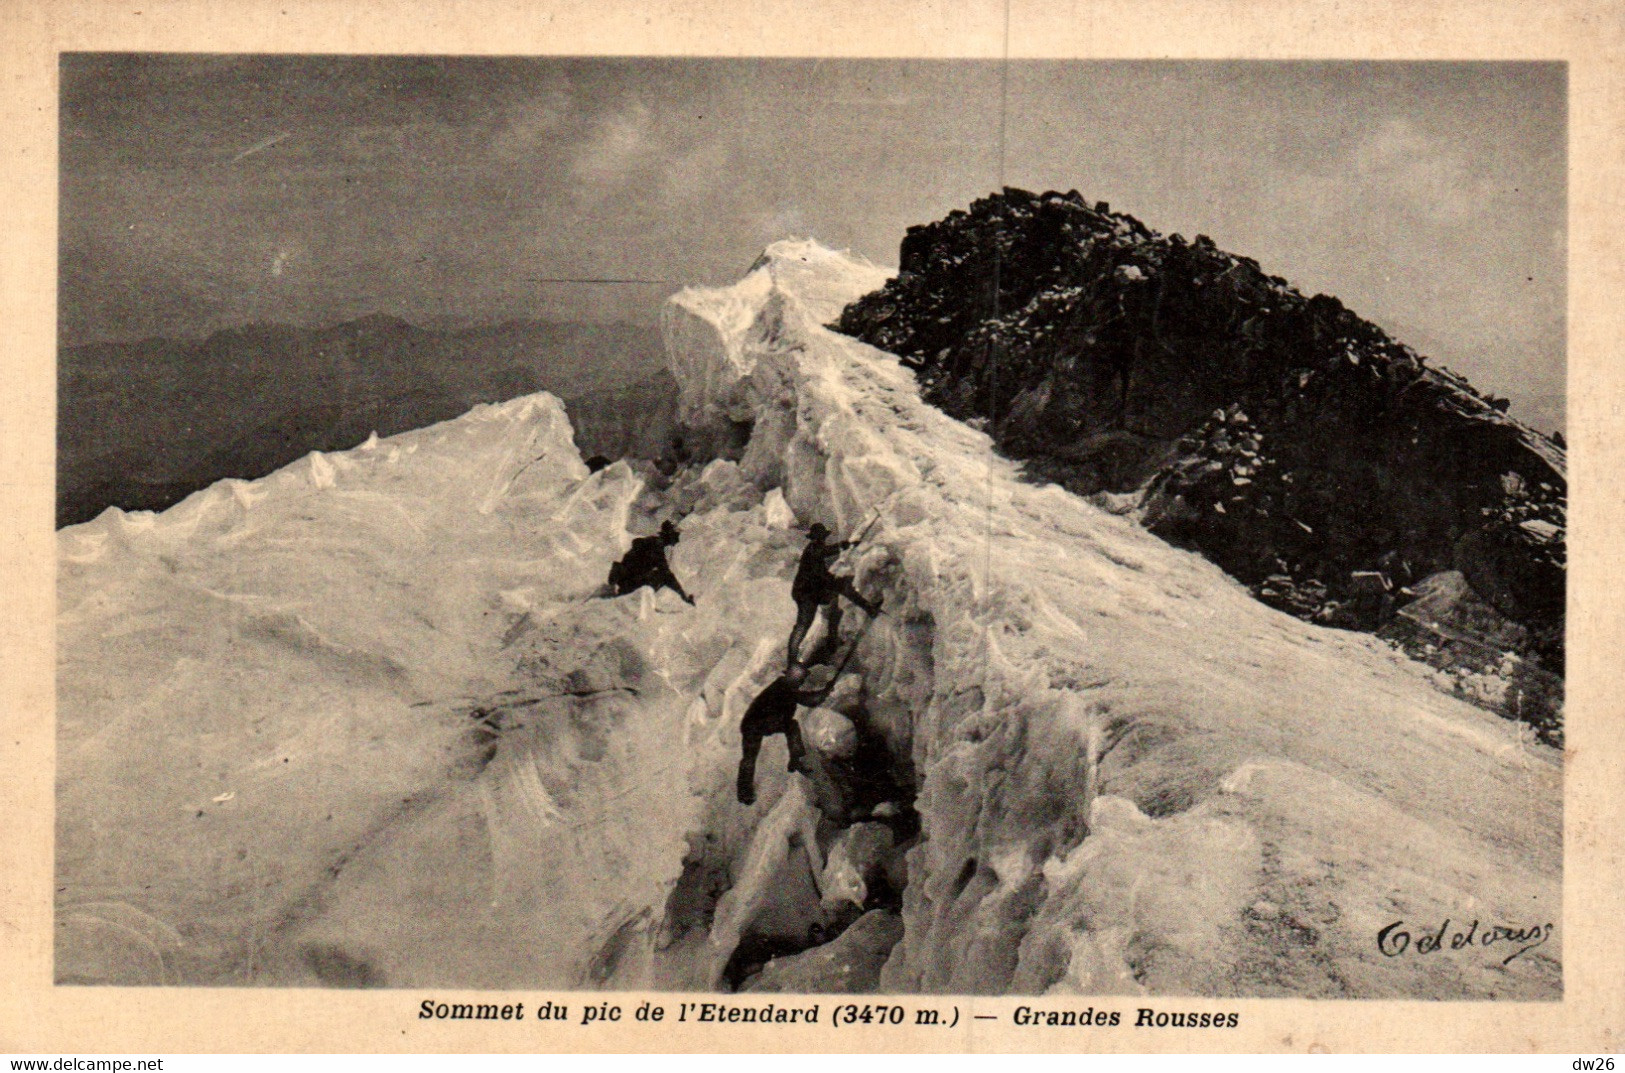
(1326, 466)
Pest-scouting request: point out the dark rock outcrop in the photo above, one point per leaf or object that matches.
(1448, 625)
(1320, 462)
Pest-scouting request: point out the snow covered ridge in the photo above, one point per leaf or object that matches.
(1132, 777)
(259, 683)
(362, 723)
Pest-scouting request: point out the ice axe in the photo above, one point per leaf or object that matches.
(847, 545)
(859, 538)
(877, 508)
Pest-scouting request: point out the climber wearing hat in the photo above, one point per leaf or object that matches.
(645, 564)
(815, 586)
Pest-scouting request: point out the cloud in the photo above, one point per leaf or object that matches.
(783, 221)
(616, 146)
(529, 126)
(691, 176)
(1426, 176)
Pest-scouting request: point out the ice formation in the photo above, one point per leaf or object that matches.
(363, 722)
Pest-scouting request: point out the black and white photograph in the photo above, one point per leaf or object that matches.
(800, 528)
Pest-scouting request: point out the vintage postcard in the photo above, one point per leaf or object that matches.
(547, 527)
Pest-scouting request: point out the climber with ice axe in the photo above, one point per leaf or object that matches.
(816, 586)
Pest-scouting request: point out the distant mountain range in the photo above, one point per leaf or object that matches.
(141, 425)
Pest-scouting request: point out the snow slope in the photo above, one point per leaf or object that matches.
(1277, 793)
(360, 722)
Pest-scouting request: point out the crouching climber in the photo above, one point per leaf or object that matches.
(645, 564)
(774, 712)
(816, 586)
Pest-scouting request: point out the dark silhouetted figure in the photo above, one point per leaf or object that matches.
(645, 564)
(774, 712)
(815, 586)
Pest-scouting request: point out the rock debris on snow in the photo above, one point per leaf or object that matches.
(1113, 360)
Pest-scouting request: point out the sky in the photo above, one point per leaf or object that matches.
(201, 192)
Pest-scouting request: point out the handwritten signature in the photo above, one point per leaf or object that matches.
(1395, 940)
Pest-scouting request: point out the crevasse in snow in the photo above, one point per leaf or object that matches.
(1132, 776)
(362, 722)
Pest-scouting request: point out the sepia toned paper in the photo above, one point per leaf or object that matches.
(42, 1014)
